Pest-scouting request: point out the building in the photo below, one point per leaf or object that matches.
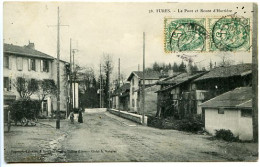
(25, 62)
(120, 98)
(136, 81)
(177, 97)
(222, 79)
(231, 111)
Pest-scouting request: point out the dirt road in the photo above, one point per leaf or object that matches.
(104, 137)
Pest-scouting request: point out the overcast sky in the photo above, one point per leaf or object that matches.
(97, 28)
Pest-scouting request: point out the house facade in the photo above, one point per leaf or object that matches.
(120, 98)
(230, 111)
(177, 97)
(136, 81)
(223, 79)
(27, 63)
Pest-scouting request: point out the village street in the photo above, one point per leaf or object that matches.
(106, 137)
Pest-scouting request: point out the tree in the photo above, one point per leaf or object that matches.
(47, 87)
(182, 67)
(175, 67)
(194, 68)
(107, 69)
(26, 87)
(88, 88)
(225, 60)
(156, 67)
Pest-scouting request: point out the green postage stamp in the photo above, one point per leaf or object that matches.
(229, 33)
(185, 35)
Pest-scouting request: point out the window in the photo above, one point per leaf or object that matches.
(221, 111)
(133, 102)
(31, 65)
(7, 84)
(6, 61)
(44, 66)
(19, 63)
(246, 113)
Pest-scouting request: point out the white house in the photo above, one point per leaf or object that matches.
(27, 62)
(136, 81)
(231, 111)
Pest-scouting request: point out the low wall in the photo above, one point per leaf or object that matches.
(130, 116)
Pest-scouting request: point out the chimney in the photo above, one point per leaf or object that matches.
(30, 45)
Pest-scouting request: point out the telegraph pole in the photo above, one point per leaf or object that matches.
(58, 69)
(71, 101)
(74, 79)
(119, 73)
(143, 86)
(58, 72)
(255, 74)
(100, 90)
(119, 83)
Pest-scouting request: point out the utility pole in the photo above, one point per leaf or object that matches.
(255, 74)
(119, 73)
(143, 86)
(58, 69)
(71, 101)
(100, 89)
(58, 72)
(119, 83)
(74, 79)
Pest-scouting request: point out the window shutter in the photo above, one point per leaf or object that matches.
(10, 84)
(19, 63)
(41, 65)
(36, 61)
(47, 66)
(29, 65)
(10, 62)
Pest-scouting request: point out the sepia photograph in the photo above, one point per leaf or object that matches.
(117, 82)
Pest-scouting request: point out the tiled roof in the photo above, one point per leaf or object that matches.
(179, 79)
(247, 104)
(147, 75)
(122, 89)
(229, 71)
(24, 51)
(237, 98)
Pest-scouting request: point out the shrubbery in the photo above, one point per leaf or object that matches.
(189, 124)
(28, 109)
(226, 135)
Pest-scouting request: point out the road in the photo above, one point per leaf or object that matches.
(104, 137)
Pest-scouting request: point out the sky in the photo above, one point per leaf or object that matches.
(106, 28)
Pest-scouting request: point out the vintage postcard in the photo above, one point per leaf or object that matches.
(129, 82)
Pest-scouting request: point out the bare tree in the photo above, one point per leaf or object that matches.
(46, 87)
(26, 87)
(225, 60)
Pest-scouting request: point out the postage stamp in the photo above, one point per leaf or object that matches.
(229, 34)
(185, 34)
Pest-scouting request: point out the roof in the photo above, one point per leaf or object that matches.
(148, 75)
(229, 71)
(122, 89)
(24, 51)
(237, 98)
(179, 79)
(247, 104)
